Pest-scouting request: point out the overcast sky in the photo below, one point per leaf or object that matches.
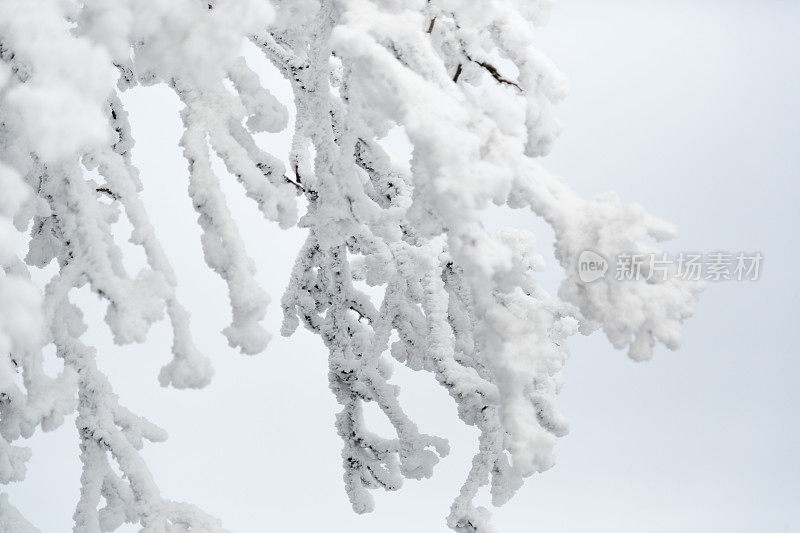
(690, 108)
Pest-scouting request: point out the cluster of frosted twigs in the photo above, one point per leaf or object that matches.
(473, 96)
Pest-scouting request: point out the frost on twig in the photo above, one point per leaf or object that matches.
(64, 127)
(472, 94)
(464, 304)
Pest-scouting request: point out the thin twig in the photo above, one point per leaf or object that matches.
(458, 73)
(107, 191)
(297, 183)
(360, 314)
(496, 74)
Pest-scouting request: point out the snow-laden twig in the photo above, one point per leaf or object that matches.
(474, 97)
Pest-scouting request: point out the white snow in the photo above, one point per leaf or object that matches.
(474, 98)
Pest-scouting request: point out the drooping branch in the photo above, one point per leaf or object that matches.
(444, 295)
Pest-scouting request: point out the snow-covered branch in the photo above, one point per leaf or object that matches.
(465, 84)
